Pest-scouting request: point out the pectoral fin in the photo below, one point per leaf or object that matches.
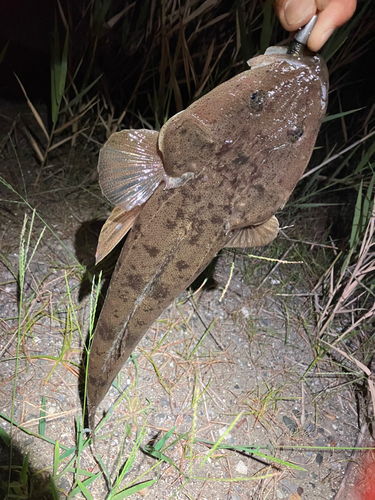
(254, 236)
(114, 229)
(130, 168)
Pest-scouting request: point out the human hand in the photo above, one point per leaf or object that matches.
(331, 14)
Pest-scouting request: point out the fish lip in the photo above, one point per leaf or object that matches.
(314, 62)
(317, 65)
(280, 53)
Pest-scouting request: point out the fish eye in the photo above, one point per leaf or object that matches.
(257, 99)
(295, 133)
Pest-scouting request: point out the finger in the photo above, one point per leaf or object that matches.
(336, 13)
(294, 13)
(321, 4)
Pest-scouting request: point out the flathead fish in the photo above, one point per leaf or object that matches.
(214, 176)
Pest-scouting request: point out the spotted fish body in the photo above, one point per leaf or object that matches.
(214, 177)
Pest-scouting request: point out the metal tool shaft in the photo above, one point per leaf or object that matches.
(301, 37)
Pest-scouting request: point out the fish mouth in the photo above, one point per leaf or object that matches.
(318, 66)
(313, 62)
(322, 72)
(280, 53)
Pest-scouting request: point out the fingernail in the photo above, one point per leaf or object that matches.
(296, 11)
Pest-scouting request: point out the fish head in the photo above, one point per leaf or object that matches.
(257, 131)
(288, 97)
(291, 95)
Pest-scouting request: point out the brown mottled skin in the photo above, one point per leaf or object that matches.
(247, 158)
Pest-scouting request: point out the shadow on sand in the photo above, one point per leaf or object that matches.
(18, 479)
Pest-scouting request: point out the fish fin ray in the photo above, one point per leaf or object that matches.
(115, 228)
(130, 168)
(254, 236)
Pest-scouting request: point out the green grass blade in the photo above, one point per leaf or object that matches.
(363, 164)
(42, 420)
(267, 26)
(340, 115)
(84, 490)
(357, 218)
(78, 98)
(56, 458)
(161, 456)
(67, 453)
(104, 467)
(217, 444)
(254, 450)
(5, 437)
(159, 445)
(63, 67)
(59, 69)
(52, 485)
(132, 455)
(82, 486)
(362, 213)
(368, 202)
(24, 470)
(278, 461)
(154, 451)
(27, 431)
(133, 489)
(202, 338)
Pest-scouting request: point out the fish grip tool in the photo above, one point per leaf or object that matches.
(301, 37)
